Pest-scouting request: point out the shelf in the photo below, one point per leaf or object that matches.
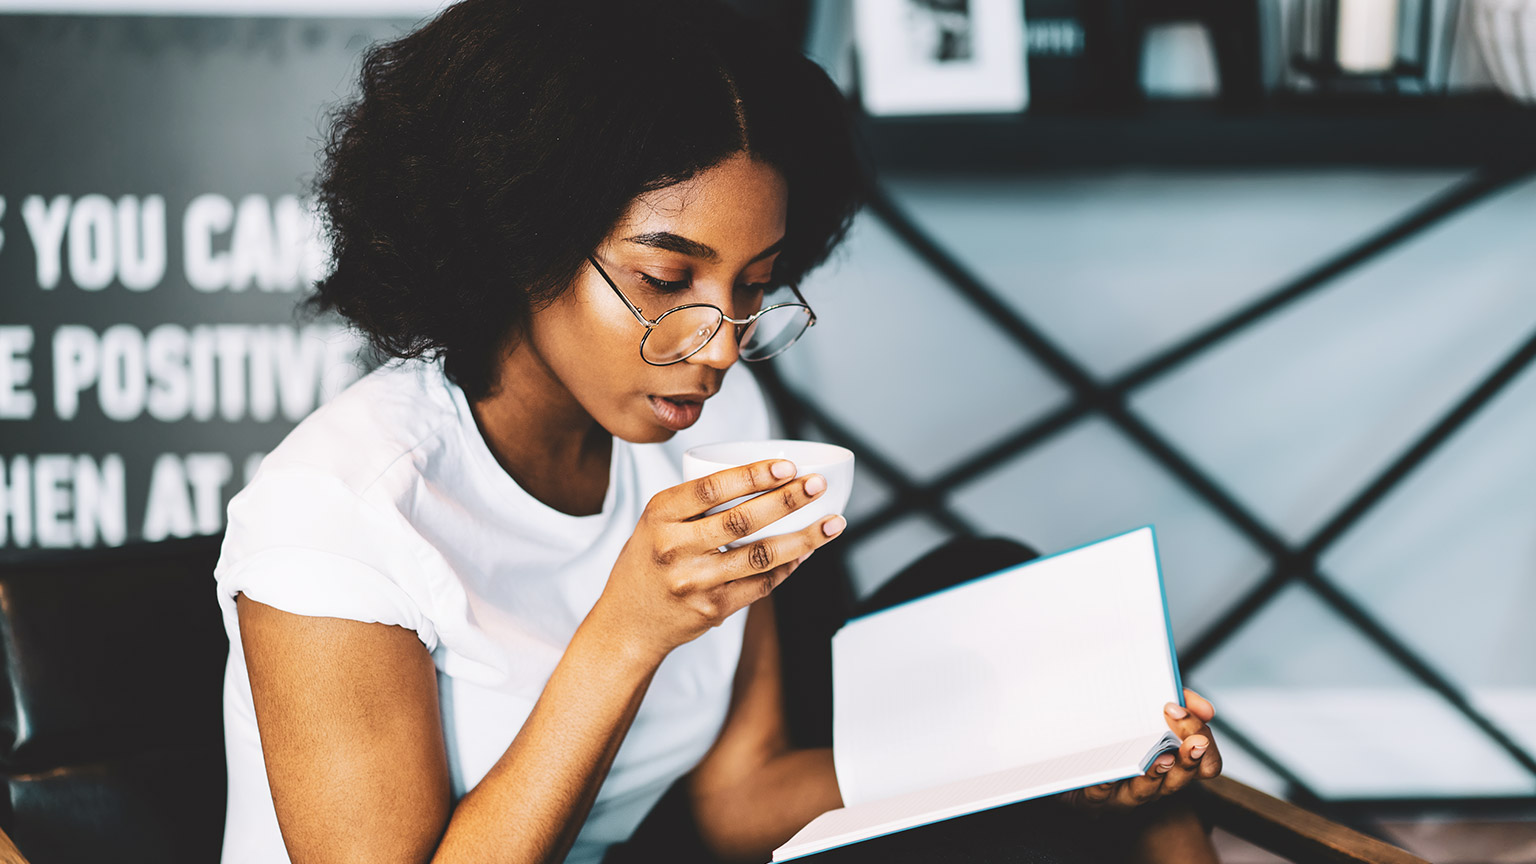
(1427, 132)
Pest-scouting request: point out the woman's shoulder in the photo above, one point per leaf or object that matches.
(343, 470)
(358, 435)
(315, 532)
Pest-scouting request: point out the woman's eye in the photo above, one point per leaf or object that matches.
(677, 285)
(663, 284)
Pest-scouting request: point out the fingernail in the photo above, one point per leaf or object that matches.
(835, 526)
(1197, 751)
(783, 470)
(1164, 762)
(815, 484)
(1175, 710)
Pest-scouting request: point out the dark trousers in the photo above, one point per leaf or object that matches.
(811, 606)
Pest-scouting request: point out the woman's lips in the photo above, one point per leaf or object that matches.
(675, 414)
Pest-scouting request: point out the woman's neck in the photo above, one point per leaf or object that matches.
(544, 439)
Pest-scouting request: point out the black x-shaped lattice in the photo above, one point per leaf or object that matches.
(1289, 564)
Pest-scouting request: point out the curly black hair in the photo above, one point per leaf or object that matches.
(489, 151)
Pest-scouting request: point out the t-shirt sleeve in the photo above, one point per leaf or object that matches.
(306, 543)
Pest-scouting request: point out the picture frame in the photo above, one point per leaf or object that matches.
(941, 56)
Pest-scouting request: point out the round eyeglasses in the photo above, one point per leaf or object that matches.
(683, 331)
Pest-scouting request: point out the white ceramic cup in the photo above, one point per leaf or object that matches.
(810, 457)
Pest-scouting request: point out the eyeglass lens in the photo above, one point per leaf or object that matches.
(686, 329)
(680, 332)
(773, 331)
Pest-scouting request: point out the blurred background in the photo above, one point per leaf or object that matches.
(1261, 273)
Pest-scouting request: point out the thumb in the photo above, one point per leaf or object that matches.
(1199, 705)
(1181, 720)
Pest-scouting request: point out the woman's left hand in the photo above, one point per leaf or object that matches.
(1197, 758)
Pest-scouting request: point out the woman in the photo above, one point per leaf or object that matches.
(474, 613)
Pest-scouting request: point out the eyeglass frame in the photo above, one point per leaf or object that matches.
(739, 322)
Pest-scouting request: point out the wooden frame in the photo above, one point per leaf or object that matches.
(1287, 830)
(9, 854)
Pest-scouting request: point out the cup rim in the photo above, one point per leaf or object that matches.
(837, 454)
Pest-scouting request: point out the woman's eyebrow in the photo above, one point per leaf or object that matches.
(682, 245)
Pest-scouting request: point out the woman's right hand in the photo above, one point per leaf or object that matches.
(671, 583)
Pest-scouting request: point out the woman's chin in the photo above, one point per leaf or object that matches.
(640, 429)
(654, 435)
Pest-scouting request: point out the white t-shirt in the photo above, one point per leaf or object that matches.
(386, 505)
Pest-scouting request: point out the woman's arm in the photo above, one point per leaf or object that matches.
(752, 792)
(348, 710)
(354, 748)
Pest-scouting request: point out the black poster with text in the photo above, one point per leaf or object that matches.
(155, 238)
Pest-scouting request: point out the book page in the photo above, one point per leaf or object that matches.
(1115, 761)
(1059, 655)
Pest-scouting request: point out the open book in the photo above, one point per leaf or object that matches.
(1044, 677)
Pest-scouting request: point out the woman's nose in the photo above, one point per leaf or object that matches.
(722, 350)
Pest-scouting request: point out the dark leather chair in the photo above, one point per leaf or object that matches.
(111, 731)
